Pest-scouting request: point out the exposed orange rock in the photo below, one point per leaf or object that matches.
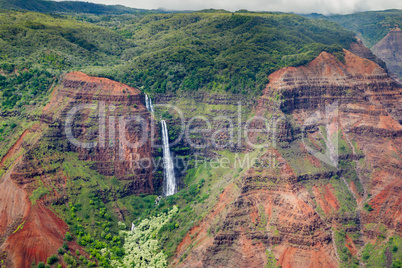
(351, 245)
(326, 198)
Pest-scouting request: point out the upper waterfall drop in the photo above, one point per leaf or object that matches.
(169, 184)
(148, 104)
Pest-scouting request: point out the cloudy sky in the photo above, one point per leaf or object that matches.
(297, 6)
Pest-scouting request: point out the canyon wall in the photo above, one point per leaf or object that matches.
(44, 158)
(338, 153)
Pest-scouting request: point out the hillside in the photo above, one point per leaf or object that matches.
(47, 6)
(379, 30)
(370, 26)
(36, 48)
(221, 52)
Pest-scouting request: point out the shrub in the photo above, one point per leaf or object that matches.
(69, 237)
(368, 207)
(38, 193)
(41, 265)
(52, 259)
(366, 256)
(396, 264)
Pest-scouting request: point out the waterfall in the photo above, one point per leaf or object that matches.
(132, 227)
(169, 184)
(148, 104)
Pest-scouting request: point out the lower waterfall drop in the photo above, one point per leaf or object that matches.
(169, 180)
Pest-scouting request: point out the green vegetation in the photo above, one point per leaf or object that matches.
(20, 227)
(141, 246)
(52, 259)
(383, 252)
(36, 49)
(367, 207)
(271, 261)
(219, 51)
(54, 41)
(347, 259)
(38, 193)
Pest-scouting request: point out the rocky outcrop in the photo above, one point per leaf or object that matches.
(362, 51)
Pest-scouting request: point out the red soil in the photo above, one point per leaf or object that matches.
(326, 198)
(351, 245)
(297, 257)
(92, 84)
(41, 236)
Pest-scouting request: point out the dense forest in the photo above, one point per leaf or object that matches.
(218, 51)
(231, 52)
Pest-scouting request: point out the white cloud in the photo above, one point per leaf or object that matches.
(296, 6)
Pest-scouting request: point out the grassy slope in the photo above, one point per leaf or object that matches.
(35, 49)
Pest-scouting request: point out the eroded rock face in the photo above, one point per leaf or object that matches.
(389, 50)
(370, 113)
(40, 154)
(111, 145)
(294, 209)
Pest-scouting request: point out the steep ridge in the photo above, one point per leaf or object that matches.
(300, 212)
(389, 50)
(30, 229)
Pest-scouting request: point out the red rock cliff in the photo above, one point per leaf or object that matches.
(31, 231)
(292, 211)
